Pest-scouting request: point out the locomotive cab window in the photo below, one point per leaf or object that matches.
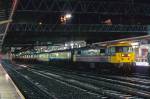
(124, 49)
(112, 50)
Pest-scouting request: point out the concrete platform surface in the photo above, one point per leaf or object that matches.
(8, 89)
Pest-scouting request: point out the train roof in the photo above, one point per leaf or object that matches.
(69, 50)
(120, 44)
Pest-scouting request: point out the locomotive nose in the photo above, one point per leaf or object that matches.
(126, 55)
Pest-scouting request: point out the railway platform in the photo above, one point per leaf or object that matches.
(8, 90)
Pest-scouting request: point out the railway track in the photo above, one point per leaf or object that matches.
(27, 87)
(99, 83)
(133, 91)
(136, 83)
(139, 80)
(143, 76)
(85, 85)
(103, 86)
(55, 87)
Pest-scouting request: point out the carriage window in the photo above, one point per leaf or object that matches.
(90, 52)
(79, 52)
(102, 51)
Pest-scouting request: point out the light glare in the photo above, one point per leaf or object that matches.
(68, 16)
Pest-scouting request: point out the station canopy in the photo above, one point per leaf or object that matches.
(60, 21)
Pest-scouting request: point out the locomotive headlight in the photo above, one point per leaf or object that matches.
(122, 55)
(126, 55)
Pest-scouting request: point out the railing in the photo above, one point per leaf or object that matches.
(77, 28)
